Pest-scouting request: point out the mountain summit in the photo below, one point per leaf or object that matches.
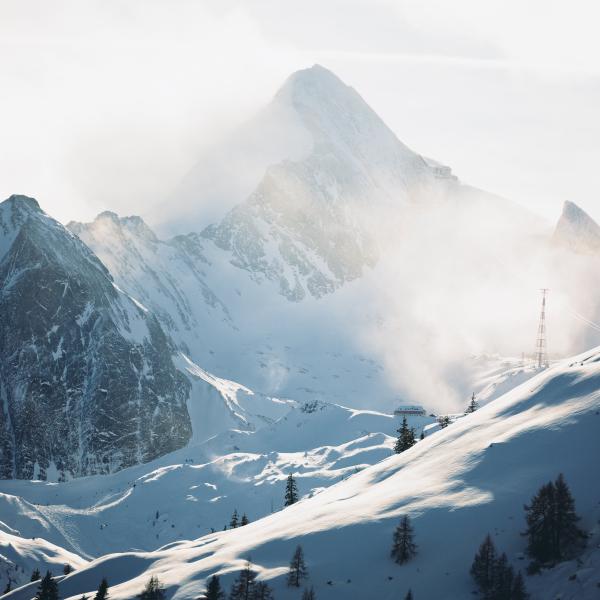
(313, 116)
(309, 223)
(577, 231)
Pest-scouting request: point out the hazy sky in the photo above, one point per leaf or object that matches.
(105, 104)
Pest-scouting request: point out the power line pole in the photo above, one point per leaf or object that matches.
(540, 344)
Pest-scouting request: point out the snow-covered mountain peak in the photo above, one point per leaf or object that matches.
(22, 202)
(337, 116)
(315, 82)
(576, 230)
(108, 220)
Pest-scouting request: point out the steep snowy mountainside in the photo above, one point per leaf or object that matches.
(305, 225)
(577, 231)
(87, 380)
(459, 484)
(209, 307)
(198, 487)
(169, 277)
(312, 112)
(218, 405)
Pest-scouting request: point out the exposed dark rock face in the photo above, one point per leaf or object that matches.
(87, 382)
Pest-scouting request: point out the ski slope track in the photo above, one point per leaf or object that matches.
(457, 485)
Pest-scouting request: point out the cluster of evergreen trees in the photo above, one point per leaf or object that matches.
(552, 535)
(236, 521)
(552, 530)
(246, 587)
(48, 588)
(494, 575)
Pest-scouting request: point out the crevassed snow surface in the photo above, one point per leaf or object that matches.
(457, 485)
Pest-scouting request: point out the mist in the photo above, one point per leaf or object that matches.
(109, 107)
(140, 109)
(458, 282)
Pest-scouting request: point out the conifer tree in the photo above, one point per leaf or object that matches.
(403, 547)
(567, 534)
(7, 588)
(473, 406)
(298, 570)
(67, 569)
(35, 575)
(483, 567)
(153, 590)
(541, 524)
(214, 591)
(48, 589)
(234, 520)
(244, 520)
(409, 595)
(406, 437)
(244, 586)
(309, 594)
(102, 593)
(291, 491)
(519, 592)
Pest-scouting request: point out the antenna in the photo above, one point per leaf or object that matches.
(541, 354)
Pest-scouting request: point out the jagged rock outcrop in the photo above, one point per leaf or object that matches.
(87, 381)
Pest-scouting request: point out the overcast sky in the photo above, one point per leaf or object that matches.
(105, 104)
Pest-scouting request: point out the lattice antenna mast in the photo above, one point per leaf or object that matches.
(541, 353)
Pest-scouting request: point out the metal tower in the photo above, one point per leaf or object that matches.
(541, 354)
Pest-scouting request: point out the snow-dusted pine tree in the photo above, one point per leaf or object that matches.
(291, 491)
(406, 437)
(473, 406)
(102, 593)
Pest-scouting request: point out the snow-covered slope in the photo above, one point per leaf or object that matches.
(19, 557)
(457, 485)
(87, 381)
(188, 492)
